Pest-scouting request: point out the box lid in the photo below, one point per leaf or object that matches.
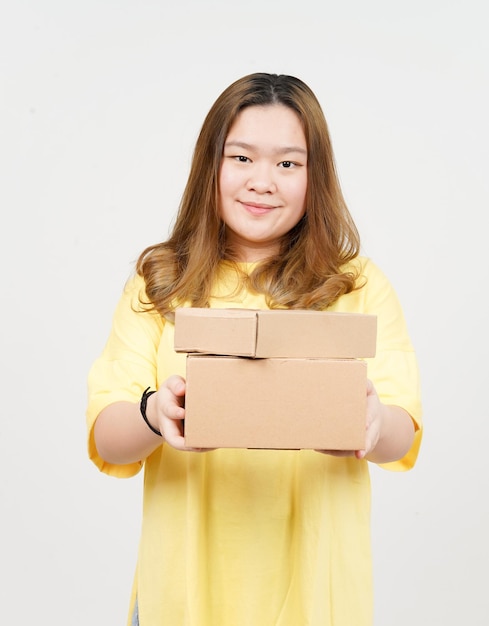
(294, 333)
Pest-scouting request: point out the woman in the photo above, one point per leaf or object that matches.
(234, 536)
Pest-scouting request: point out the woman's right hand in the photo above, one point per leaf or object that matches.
(165, 410)
(122, 437)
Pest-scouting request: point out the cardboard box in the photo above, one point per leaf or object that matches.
(275, 403)
(280, 379)
(275, 333)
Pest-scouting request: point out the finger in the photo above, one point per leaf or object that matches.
(172, 431)
(176, 384)
(370, 388)
(173, 435)
(171, 404)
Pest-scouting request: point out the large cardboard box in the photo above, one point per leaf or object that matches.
(280, 379)
(275, 403)
(275, 333)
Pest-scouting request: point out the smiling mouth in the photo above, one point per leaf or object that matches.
(257, 209)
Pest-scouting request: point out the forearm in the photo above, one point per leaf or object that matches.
(121, 436)
(396, 436)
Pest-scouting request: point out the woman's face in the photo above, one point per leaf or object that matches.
(263, 179)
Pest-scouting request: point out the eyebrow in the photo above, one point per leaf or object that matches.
(248, 146)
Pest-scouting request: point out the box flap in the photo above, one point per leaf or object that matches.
(216, 331)
(275, 333)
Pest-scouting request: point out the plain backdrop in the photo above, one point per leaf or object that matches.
(100, 105)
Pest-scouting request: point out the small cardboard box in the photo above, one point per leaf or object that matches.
(282, 379)
(275, 403)
(275, 333)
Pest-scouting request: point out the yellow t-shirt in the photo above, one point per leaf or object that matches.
(251, 537)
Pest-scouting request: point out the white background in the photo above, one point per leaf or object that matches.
(101, 102)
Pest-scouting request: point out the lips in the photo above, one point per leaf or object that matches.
(257, 209)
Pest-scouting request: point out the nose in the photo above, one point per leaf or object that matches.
(261, 179)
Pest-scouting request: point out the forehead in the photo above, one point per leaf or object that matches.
(271, 125)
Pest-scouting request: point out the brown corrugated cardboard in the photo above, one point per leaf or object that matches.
(275, 403)
(275, 333)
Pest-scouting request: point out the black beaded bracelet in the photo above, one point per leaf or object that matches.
(142, 408)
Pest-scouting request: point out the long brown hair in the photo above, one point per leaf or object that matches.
(307, 271)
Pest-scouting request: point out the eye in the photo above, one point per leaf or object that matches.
(287, 164)
(241, 158)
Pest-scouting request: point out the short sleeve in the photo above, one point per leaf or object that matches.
(394, 370)
(126, 366)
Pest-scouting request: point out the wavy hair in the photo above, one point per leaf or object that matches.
(307, 271)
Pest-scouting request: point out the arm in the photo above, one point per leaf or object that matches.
(393, 433)
(390, 432)
(121, 435)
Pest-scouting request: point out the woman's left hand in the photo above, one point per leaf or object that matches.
(374, 421)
